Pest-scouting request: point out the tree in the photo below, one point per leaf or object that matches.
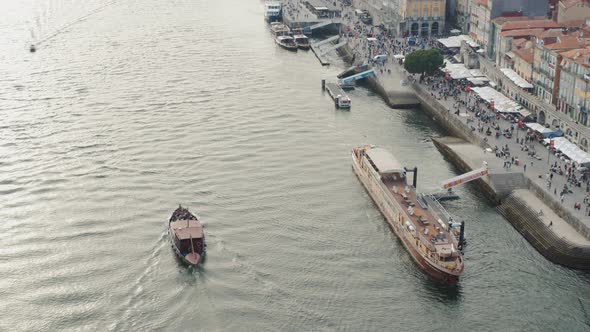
(424, 62)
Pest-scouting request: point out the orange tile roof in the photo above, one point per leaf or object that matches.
(521, 32)
(573, 23)
(483, 2)
(551, 33)
(518, 42)
(524, 53)
(579, 55)
(572, 54)
(567, 42)
(530, 24)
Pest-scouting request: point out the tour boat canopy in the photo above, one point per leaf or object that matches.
(384, 161)
(186, 229)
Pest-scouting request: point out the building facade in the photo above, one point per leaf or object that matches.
(409, 17)
(463, 14)
(422, 17)
(482, 12)
(523, 60)
(574, 91)
(479, 21)
(547, 68)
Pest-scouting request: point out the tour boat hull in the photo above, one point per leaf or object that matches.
(448, 277)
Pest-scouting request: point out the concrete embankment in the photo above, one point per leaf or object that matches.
(449, 147)
(541, 235)
(444, 117)
(394, 96)
(552, 230)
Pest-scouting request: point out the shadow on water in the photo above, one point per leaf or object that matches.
(444, 293)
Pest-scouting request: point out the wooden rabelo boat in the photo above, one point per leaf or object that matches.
(187, 236)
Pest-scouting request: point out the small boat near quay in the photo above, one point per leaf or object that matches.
(187, 236)
(273, 11)
(286, 42)
(302, 41)
(424, 227)
(279, 29)
(341, 99)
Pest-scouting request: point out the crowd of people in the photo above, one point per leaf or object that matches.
(472, 109)
(368, 41)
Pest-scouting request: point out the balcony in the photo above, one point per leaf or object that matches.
(545, 86)
(543, 71)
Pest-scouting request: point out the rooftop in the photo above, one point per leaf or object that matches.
(530, 24)
(322, 5)
(482, 3)
(186, 229)
(518, 42)
(580, 55)
(566, 42)
(384, 160)
(522, 32)
(525, 54)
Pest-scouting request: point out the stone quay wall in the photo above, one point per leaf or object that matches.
(527, 222)
(393, 99)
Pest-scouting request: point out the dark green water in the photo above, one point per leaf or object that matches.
(147, 104)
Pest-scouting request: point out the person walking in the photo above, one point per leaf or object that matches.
(524, 166)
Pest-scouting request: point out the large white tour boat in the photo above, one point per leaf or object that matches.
(420, 222)
(273, 11)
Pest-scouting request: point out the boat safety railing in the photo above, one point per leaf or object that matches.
(439, 207)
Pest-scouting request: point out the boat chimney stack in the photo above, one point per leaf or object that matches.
(462, 235)
(415, 181)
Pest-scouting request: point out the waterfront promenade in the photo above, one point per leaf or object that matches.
(536, 167)
(463, 106)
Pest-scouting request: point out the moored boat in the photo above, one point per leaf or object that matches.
(187, 236)
(286, 42)
(273, 11)
(341, 99)
(302, 41)
(419, 221)
(279, 29)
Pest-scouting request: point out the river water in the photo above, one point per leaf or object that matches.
(131, 107)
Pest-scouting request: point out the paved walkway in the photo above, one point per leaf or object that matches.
(536, 168)
(475, 156)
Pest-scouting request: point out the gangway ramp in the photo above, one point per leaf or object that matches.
(352, 70)
(357, 77)
(319, 25)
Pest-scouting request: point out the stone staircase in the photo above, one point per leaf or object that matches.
(554, 248)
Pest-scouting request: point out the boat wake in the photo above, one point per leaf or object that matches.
(39, 38)
(272, 292)
(131, 304)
